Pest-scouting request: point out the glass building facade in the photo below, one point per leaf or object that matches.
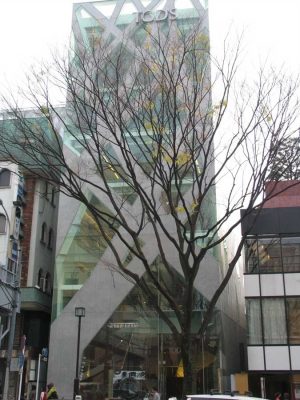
(272, 271)
(126, 348)
(273, 319)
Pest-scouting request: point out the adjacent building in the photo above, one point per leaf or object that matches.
(28, 218)
(272, 291)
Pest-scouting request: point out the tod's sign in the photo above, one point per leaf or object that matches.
(158, 15)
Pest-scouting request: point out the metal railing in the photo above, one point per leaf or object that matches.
(8, 273)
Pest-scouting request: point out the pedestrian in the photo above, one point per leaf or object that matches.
(154, 395)
(43, 395)
(52, 392)
(278, 396)
(32, 393)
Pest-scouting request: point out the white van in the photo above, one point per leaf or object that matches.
(221, 397)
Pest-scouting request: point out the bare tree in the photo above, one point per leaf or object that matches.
(286, 164)
(143, 116)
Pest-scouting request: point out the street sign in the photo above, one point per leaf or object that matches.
(21, 361)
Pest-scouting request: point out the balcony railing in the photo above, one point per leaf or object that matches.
(8, 273)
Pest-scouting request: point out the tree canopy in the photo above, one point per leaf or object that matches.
(141, 145)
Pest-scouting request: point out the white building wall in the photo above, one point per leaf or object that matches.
(8, 194)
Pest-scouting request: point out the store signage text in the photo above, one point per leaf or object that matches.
(118, 325)
(158, 15)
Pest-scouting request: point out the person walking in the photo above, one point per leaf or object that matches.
(52, 392)
(32, 393)
(43, 395)
(154, 395)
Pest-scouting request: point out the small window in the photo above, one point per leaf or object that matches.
(2, 223)
(44, 233)
(47, 288)
(45, 190)
(18, 212)
(50, 239)
(53, 196)
(4, 177)
(40, 278)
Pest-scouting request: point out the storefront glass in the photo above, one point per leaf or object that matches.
(135, 351)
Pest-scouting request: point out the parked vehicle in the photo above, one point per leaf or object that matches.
(233, 396)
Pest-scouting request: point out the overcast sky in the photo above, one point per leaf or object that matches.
(271, 31)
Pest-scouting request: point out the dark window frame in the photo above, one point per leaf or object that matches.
(3, 224)
(3, 173)
(40, 278)
(285, 268)
(50, 239)
(44, 233)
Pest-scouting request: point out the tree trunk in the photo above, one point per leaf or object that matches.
(187, 365)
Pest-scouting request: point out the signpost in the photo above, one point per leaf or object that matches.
(21, 363)
(42, 357)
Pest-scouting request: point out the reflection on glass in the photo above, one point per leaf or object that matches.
(269, 257)
(293, 309)
(291, 254)
(263, 255)
(135, 350)
(273, 255)
(81, 251)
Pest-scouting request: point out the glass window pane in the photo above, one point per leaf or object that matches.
(251, 254)
(263, 255)
(291, 254)
(106, 7)
(269, 255)
(293, 307)
(81, 251)
(274, 321)
(254, 321)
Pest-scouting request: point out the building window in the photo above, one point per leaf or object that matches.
(40, 278)
(71, 278)
(47, 287)
(293, 311)
(44, 233)
(53, 196)
(273, 255)
(274, 321)
(291, 254)
(2, 223)
(264, 256)
(45, 189)
(272, 329)
(50, 239)
(254, 321)
(4, 177)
